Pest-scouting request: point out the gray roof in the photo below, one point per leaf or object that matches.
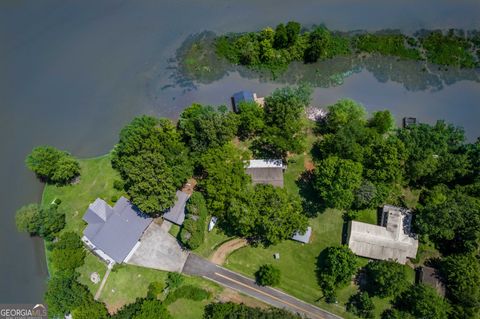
(266, 175)
(305, 237)
(176, 214)
(115, 230)
(393, 240)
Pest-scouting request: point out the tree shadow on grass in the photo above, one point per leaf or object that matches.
(312, 206)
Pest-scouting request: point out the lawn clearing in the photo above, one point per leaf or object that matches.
(96, 180)
(92, 264)
(213, 240)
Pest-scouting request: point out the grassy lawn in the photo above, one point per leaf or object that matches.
(368, 216)
(92, 264)
(128, 282)
(213, 240)
(96, 180)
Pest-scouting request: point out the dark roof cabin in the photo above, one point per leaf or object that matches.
(407, 121)
(268, 171)
(242, 96)
(428, 276)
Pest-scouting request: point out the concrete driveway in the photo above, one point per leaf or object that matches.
(159, 250)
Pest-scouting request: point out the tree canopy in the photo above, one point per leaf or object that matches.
(265, 214)
(250, 118)
(343, 112)
(422, 301)
(268, 275)
(53, 165)
(361, 305)
(450, 218)
(462, 275)
(203, 127)
(283, 112)
(335, 180)
(45, 222)
(335, 267)
(385, 278)
(240, 311)
(153, 162)
(223, 176)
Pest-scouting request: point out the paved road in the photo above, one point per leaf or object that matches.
(198, 266)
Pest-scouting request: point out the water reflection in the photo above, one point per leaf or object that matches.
(197, 63)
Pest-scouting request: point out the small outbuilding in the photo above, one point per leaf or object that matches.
(242, 96)
(429, 276)
(303, 237)
(266, 171)
(176, 214)
(407, 121)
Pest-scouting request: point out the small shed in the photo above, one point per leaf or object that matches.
(428, 276)
(242, 96)
(176, 214)
(303, 237)
(266, 171)
(407, 121)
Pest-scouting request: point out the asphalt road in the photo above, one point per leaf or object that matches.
(198, 266)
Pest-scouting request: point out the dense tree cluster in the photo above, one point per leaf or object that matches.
(361, 305)
(52, 165)
(276, 49)
(153, 162)
(335, 267)
(385, 278)
(240, 311)
(204, 127)
(45, 222)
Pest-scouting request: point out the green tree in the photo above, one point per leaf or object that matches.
(250, 119)
(67, 254)
(365, 195)
(335, 267)
(281, 37)
(268, 275)
(342, 113)
(203, 127)
(450, 219)
(462, 275)
(52, 165)
(385, 278)
(335, 180)
(153, 162)
(45, 222)
(223, 177)
(155, 290)
(283, 114)
(320, 41)
(361, 305)
(382, 121)
(152, 309)
(27, 219)
(385, 163)
(64, 294)
(192, 234)
(434, 153)
(396, 314)
(150, 182)
(422, 302)
(293, 30)
(90, 310)
(266, 214)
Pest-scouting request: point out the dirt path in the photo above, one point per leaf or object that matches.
(224, 250)
(99, 291)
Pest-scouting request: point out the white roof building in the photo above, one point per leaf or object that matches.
(266, 171)
(392, 240)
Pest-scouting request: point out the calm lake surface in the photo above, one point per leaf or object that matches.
(72, 73)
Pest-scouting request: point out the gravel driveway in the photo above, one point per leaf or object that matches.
(159, 250)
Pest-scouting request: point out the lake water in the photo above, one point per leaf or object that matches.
(72, 73)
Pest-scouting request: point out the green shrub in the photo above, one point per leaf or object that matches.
(155, 289)
(187, 292)
(174, 280)
(268, 275)
(192, 233)
(118, 185)
(361, 305)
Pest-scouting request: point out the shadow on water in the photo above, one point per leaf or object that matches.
(196, 62)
